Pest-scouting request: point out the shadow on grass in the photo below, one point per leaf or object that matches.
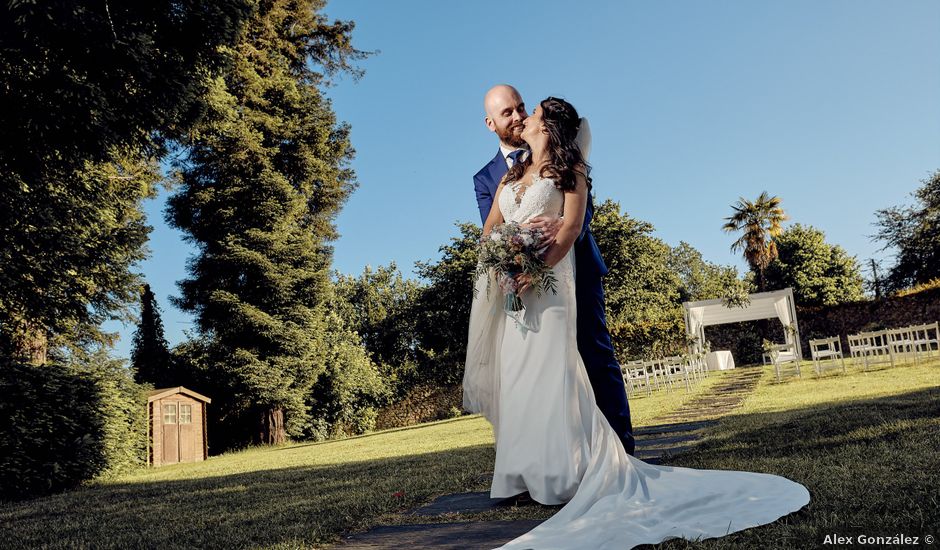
(287, 507)
(814, 428)
(871, 467)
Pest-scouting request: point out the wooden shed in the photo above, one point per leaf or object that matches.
(177, 426)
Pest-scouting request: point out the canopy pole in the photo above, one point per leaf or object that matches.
(796, 327)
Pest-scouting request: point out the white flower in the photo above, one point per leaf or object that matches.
(496, 236)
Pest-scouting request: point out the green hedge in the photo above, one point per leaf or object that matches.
(62, 424)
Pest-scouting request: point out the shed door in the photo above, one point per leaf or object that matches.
(187, 434)
(171, 433)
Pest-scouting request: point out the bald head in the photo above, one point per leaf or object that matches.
(505, 112)
(500, 96)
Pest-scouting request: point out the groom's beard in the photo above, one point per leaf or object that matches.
(511, 135)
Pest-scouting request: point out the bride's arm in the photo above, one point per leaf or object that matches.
(575, 205)
(495, 216)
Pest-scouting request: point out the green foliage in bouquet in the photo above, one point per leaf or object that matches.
(511, 250)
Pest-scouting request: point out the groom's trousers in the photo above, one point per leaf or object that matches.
(597, 352)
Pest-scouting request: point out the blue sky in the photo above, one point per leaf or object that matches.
(832, 105)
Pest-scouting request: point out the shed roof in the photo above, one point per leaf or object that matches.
(165, 392)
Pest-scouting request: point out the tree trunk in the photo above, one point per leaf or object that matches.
(272, 430)
(30, 344)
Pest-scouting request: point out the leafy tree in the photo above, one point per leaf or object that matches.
(699, 279)
(265, 174)
(759, 221)
(416, 330)
(442, 311)
(81, 79)
(89, 94)
(345, 397)
(380, 306)
(643, 294)
(820, 274)
(67, 253)
(150, 353)
(914, 233)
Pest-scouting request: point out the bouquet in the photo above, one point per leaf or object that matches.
(511, 250)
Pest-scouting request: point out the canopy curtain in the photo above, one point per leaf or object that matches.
(783, 313)
(696, 316)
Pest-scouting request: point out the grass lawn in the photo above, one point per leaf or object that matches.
(865, 444)
(292, 496)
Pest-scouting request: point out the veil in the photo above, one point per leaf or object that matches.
(481, 369)
(583, 139)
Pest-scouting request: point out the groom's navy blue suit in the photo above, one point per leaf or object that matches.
(594, 343)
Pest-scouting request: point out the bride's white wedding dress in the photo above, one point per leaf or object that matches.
(524, 373)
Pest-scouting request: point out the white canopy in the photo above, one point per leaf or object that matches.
(764, 305)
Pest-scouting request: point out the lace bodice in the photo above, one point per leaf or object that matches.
(539, 198)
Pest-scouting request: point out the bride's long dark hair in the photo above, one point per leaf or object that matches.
(561, 121)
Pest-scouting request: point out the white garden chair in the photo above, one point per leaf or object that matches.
(788, 354)
(661, 371)
(657, 374)
(927, 338)
(857, 347)
(677, 369)
(697, 368)
(701, 365)
(636, 379)
(825, 352)
(871, 347)
(901, 343)
(784, 359)
(628, 366)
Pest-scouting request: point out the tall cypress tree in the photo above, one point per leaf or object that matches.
(265, 175)
(150, 354)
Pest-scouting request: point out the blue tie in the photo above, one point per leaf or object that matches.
(514, 156)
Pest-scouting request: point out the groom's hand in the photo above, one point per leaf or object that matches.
(549, 225)
(524, 281)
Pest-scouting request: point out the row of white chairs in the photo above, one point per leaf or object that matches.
(645, 375)
(882, 346)
(895, 344)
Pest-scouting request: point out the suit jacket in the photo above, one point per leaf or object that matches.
(587, 254)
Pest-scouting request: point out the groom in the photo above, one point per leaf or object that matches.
(505, 112)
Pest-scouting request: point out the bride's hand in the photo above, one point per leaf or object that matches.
(524, 281)
(548, 225)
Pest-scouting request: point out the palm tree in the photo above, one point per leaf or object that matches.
(760, 221)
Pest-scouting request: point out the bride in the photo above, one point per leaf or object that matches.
(524, 374)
